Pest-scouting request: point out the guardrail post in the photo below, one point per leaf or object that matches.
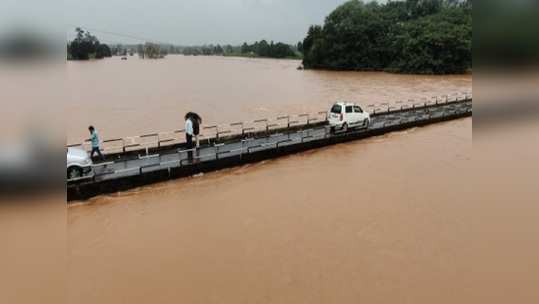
(305, 115)
(325, 115)
(265, 120)
(239, 124)
(217, 146)
(241, 151)
(287, 117)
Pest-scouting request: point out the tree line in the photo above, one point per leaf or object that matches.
(412, 36)
(257, 49)
(270, 50)
(86, 46)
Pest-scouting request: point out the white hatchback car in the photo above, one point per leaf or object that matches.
(79, 163)
(345, 115)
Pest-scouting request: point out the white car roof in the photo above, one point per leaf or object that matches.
(342, 103)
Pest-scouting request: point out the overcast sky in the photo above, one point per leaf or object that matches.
(195, 22)
(180, 22)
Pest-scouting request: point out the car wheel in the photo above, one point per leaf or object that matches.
(74, 172)
(345, 127)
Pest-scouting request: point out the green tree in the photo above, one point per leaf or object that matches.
(86, 46)
(412, 36)
(152, 50)
(103, 51)
(300, 47)
(245, 48)
(435, 44)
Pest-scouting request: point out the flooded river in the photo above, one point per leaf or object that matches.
(380, 220)
(134, 97)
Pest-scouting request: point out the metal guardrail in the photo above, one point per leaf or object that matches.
(274, 141)
(246, 129)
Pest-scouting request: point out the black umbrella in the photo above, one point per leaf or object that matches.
(193, 116)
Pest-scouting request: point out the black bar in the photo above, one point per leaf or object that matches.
(222, 152)
(148, 166)
(111, 140)
(166, 140)
(149, 135)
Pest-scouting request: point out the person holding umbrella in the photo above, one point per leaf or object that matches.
(192, 129)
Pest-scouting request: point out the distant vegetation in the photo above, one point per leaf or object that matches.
(412, 36)
(86, 46)
(258, 49)
(269, 50)
(207, 50)
(151, 51)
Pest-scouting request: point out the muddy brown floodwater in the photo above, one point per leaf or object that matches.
(381, 220)
(134, 97)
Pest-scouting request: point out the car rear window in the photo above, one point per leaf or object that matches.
(336, 109)
(349, 109)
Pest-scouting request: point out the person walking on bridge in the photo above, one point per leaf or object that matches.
(94, 139)
(197, 121)
(189, 132)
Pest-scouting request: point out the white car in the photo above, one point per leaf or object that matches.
(345, 115)
(79, 163)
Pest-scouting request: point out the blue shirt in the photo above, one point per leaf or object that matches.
(189, 127)
(95, 139)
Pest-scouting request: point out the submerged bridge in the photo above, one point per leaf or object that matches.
(150, 158)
